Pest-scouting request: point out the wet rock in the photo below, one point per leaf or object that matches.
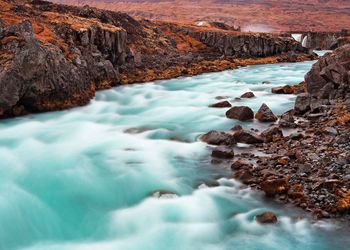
(245, 176)
(248, 95)
(164, 195)
(282, 90)
(224, 104)
(271, 133)
(236, 128)
(275, 186)
(223, 152)
(266, 218)
(242, 113)
(265, 114)
(218, 138)
(248, 137)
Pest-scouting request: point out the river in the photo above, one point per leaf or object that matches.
(84, 178)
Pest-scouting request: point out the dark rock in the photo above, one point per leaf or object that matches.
(302, 103)
(265, 114)
(283, 90)
(224, 104)
(267, 218)
(223, 152)
(241, 113)
(218, 138)
(248, 137)
(271, 133)
(236, 128)
(248, 95)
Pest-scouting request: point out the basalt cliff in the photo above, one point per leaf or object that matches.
(54, 57)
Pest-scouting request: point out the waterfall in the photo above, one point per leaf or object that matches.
(304, 42)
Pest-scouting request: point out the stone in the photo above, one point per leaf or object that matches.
(265, 114)
(218, 138)
(266, 218)
(248, 137)
(242, 113)
(274, 186)
(164, 195)
(331, 131)
(224, 104)
(223, 152)
(236, 128)
(248, 95)
(283, 90)
(302, 103)
(271, 133)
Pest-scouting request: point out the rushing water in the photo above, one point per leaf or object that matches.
(84, 178)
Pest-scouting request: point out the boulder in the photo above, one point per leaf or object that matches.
(302, 103)
(248, 137)
(242, 113)
(282, 90)
(265, 114)
(223, 104)
(248, 95)
(271, 133)
(218, 138)
(223, 152)
(266, 218)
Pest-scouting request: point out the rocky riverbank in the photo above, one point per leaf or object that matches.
(54, 57)
(303, 158)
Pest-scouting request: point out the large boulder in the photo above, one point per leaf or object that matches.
(302, 103)
(218, 138)
(265, 114)
(223, 152)
(248, 137)
(242, 113)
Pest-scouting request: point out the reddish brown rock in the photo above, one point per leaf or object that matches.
(248, 95)
(265, 114)
(271, 133)
(282, 90)
(275, 186)
(266, 218)
(224, 104)
(242, 113)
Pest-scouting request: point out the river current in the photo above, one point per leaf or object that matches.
(84, 178)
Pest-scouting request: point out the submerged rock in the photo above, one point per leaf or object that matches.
(224, 104)
(242, 113)
(265, 114)
(165, 195)
(248, 95)
(266, 218)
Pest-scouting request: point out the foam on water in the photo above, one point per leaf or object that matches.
(84, 178)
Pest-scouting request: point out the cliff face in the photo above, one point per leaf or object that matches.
(249, 45)
(54, 57)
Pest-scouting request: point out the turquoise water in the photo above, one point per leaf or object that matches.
(84, 178)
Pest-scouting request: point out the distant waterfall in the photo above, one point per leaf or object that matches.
(304, 42)
(297, 37)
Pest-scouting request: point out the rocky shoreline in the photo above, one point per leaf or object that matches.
(303, 158)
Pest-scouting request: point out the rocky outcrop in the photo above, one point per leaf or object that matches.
(329, 79)
(325, 40)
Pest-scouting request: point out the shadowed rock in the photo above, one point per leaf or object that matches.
(224, 104)
(248, 95)
(223, 152)
(248, 137)
(271, 133)
(218, 138)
